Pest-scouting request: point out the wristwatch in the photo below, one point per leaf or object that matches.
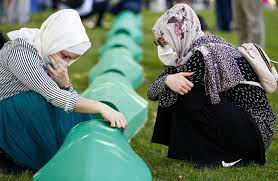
(68, 86)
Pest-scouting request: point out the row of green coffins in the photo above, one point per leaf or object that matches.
(123, 40)
(128, 23)
(119, 60)
(114, 87)
(93, 151)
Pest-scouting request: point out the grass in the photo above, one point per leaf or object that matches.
(162, 168)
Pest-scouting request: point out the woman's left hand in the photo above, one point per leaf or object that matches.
(179, 83)
(58, 72)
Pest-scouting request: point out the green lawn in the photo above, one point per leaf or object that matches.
(162, 168)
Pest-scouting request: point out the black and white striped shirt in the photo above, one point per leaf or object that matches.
(21, 69)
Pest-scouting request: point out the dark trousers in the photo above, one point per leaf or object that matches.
(223, 15)
(2, 40)
(99, 9)
(198, 131)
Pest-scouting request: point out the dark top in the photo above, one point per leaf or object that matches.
(249, 98)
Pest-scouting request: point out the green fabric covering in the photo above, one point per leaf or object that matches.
(109, 78)
(128, 23)
(134, 107)
(128, 29)
(129, 16)
(123, 40)
(119, 60)
(95, 152)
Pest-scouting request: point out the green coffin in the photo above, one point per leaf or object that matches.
(111, 78)
(127, 101)
(129, 16)
(119, 60)
(123, 40)
(95, 152)
(128, 26)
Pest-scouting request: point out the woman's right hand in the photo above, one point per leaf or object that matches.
(179, 83)
(58, 72)
(117, 119)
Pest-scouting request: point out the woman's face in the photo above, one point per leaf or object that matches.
(67, 56)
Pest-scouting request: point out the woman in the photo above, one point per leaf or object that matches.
(38, 106)
(206, 114)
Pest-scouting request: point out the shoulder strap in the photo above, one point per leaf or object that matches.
(262, 66)
(252, 83)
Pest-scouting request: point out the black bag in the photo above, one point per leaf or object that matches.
(73, 3)
(2, 40)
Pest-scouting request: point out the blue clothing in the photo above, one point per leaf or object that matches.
(134, 6)
(223, 15)
(32, 129)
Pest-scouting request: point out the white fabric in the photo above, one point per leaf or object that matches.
(167, 55)
(267, 75)
(86, 7)
(180, 27)
(62, 30)
(78, 49)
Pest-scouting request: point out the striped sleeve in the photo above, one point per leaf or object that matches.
(24, 63)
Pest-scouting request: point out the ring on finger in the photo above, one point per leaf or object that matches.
(55, 66)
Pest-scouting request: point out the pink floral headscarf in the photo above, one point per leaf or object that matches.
(180, 27)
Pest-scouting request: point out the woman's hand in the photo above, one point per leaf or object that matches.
(116, 118)
(58, 72)
(179, 83)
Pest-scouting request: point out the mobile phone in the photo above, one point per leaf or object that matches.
(47, 62)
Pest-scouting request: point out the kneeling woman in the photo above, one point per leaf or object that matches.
(38, 106)
(205, 114)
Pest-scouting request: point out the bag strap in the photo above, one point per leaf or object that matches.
(252, 83)
(274, 62)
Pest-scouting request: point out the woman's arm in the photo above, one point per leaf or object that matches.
(176, 84)
(168, 86)
(174, 81)
(24, 64)
(116, 118)
(158, 86)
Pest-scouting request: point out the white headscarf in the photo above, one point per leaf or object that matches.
(180, 27)
(62, 30)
